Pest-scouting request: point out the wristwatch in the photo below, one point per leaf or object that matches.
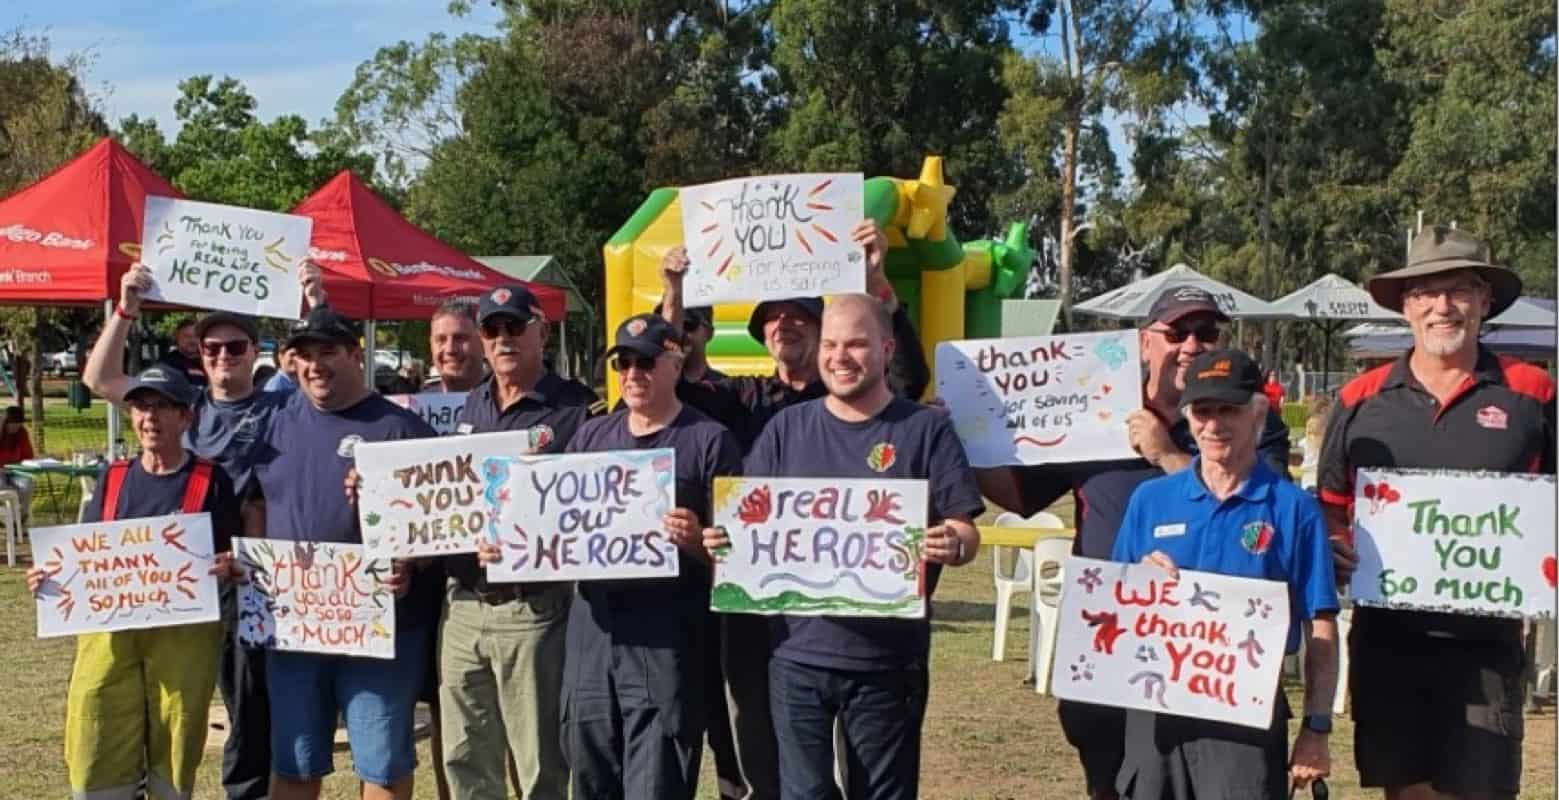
(1317, 723)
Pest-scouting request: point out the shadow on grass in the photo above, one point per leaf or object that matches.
(962, 611)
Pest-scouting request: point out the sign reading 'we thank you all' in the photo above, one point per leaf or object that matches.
(224, 257)
(820, 547)
(772, 237)
(1443, 540)
(314, 597)
(1200, 645)
(1041, 399)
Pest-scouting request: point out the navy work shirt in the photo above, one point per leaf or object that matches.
(146, 495)
(904, 441)
(225, 431)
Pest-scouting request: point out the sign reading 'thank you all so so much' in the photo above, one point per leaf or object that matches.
(1441, 540)
(314, 597)
(214, 256)
(772, 237)
(1041, 399)
(820, 547)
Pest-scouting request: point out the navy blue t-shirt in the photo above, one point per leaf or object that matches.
(146, 495)
(225, 431)
(906, 441)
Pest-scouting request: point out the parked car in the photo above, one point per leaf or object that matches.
(61, 363)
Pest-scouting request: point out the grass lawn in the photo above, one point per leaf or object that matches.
(986, 735)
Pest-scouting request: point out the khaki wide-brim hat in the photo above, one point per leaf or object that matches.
(1441, 249)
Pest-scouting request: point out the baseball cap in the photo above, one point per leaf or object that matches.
(323, 324)
(509, 301)
(1178, 301)
(169, 383)
(1229, 376)
(703, 315)
(811, 306)
(243, 322)
(647, 335)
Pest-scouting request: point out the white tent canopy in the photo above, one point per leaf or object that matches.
(1527, 312)
(1332, 297)
(1133, 300)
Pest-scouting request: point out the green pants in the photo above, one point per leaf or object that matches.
(137, 708)
(501, 683)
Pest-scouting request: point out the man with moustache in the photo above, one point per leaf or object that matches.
(1437, 697)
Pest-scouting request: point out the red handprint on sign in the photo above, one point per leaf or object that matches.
(755, 506)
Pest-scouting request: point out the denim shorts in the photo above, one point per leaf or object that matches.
(375, 696)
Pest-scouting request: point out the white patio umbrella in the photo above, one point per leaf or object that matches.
(1133, 300)
(1328, 302)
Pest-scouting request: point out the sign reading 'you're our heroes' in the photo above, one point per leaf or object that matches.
(426, 497)
(314, 597)
(224, 257)
(1443, 540)
(1041, 399)
(1201, 645)
(151, 572)
(772, 237)
(438, 409)
(582, 516)
(820, 547)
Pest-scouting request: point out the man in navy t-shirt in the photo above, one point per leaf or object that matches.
(868, 673)
(300, 469)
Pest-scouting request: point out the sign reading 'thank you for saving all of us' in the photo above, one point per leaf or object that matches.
(1466, 542)
(772, 237)
(225, 257)
(1199, 645)
(1041, 399)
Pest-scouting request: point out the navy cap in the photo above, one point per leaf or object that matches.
(1178, 301)
(1228, 376)
(243, 322)
(169, 383)
(507, 301)
(811, 306)
(647, 335)
(323, 324)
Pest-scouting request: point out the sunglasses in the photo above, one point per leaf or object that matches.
(1206, 334)
(623, 361)
(507, 326)
(234, 348)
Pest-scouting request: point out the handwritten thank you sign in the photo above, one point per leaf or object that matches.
(151, 572)
(1467, 542)
(314, 597)
(214, 256)
(1041, 399)
(1203, 645)
(438, 409)
(772, 237)
(820, 547)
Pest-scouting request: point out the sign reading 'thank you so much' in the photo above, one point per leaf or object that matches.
(224, 257)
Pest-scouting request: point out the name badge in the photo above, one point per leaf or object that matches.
(1165, 531)
(463, 428)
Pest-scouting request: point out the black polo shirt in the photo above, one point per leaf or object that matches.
(552, 412)
(1499, 419)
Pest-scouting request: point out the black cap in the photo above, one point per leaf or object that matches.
(811, 306)
(163, 380)
(703, 315)
(1226, 375)
(323, 324)
(243, 322)
(507, 301)
(1178, 301)
(647, 335)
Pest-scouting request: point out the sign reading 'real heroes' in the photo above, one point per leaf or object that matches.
(1466, 542)
(438, 409)
(224, 257)
(1201, 645)
(314, 597)
(425, 497)
(582, 516)
(772, 237)
(820, 547)
(1041, 399)
(152, 572)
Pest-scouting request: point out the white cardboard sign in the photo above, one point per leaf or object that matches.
(772, 237)
(1041, 399)
(438, 409)
(314, 597)
(1203, 645)
(207, 255)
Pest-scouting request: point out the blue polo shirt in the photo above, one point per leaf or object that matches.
(1268, 529)
(226, 431)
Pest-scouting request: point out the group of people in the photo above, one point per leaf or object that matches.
(610, 689)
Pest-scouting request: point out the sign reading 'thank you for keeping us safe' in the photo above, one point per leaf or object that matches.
(1466, 542)
(224, 257)
(772, 237)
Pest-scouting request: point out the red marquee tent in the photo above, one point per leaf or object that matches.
(67, 239)
(379, 266)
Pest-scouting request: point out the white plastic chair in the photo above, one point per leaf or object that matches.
(1344, 623)
(11, 520)
(1019, 581)
(1049, 576)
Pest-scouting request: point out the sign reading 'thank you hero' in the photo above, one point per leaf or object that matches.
(224, 257)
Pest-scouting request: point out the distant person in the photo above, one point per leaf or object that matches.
(185, 355)
(1273, 390)
(413, 372)
(15, 447)
(285, 379)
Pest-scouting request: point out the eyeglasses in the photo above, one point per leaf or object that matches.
(622, 362)
(1425, 295)
(1206, 334)
(506, 326)
(234, 348)
(151, 406)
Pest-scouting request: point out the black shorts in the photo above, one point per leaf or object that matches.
(1099, 734)
(1181, 758)
(1441, 711)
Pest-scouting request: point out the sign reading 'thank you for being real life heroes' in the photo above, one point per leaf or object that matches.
(225, 257)
(820, 547)
(772, 237)
(1041, 399)
(1467, 542)
(1197, 645)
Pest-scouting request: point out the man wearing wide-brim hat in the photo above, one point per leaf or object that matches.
(1436, 696)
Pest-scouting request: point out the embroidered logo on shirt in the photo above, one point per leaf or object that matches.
(1164, 531)
(464, 428)
(1256, 537)
(347, 447)
(881, 457)
(540, 437)
(1493, 417)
